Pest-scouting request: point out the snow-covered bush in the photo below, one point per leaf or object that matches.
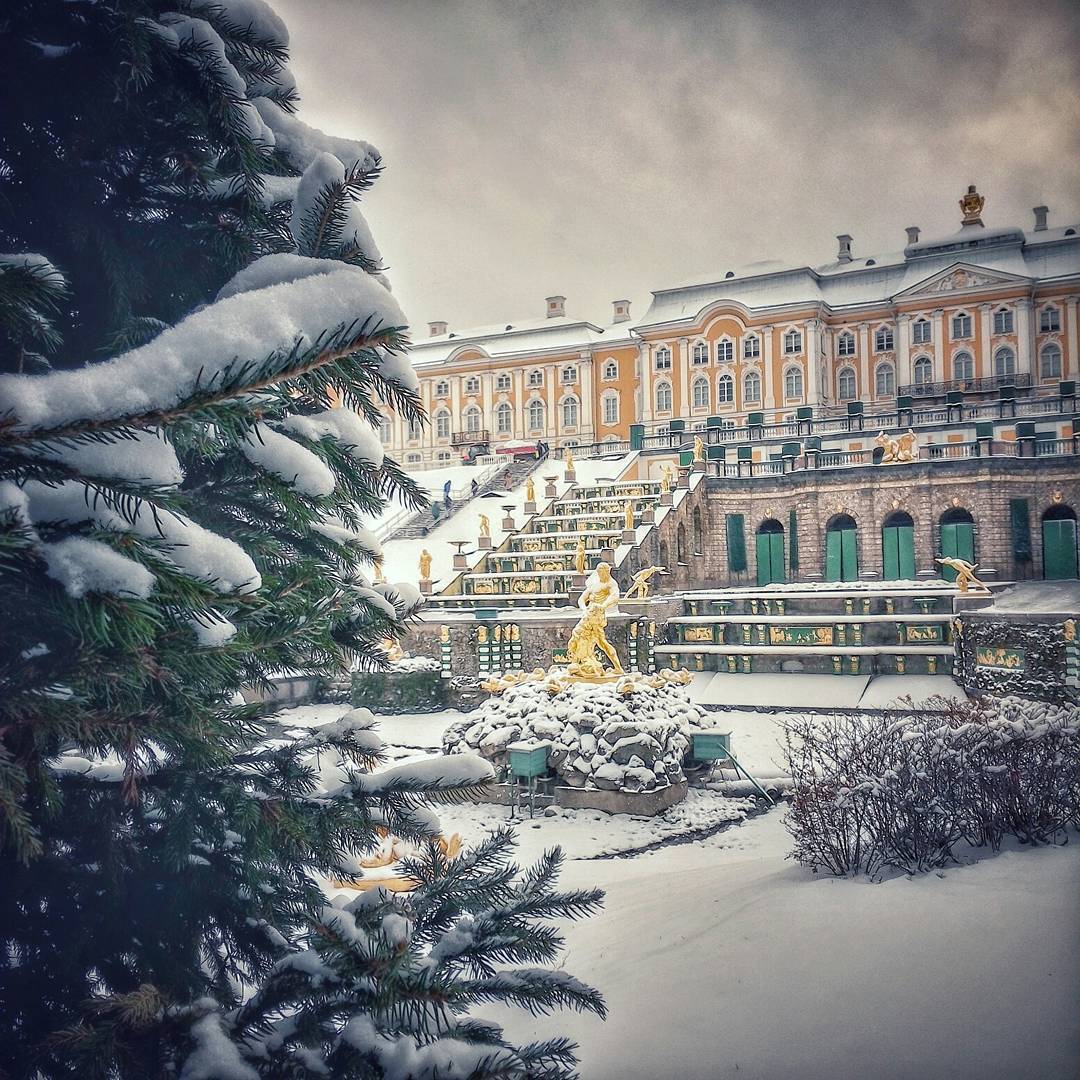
(600, 737)
(902, 789)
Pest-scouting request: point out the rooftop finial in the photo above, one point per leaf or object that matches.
(971, 204)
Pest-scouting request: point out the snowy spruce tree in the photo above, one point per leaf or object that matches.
(181, 516)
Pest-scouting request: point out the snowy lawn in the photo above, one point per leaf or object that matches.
(720, 958)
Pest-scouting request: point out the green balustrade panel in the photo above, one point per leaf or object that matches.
(1059, 549)
(898, 549)
(957, 542)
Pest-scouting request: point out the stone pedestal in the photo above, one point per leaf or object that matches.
(607, 555)
(425, 587)
(530, 508)
(485, 543)
(508, 524)
(699, 466)
(667, 498)
(460, 562)
(549, 487)
(647, 516)
(629, 536)
(577, 581)
(684, 479)
(570, 476)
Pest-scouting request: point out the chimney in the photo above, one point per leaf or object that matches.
(622, 310)
(912, 234)
(436, 329)
(556, 307)
(1040, 213)
(844, 254)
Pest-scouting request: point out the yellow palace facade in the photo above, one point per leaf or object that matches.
(973, 311)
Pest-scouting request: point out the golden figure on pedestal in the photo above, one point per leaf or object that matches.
(900, 450)
(568, 458)
(628, 514)
(699, 448)
(965, 574)
(425, 565)
(588, 636)
(640, 584)
(485, 525)
(378, 579)
(666, 477)
(530, 490)
(579, 555)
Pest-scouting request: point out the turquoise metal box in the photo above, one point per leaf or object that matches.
(711, 745)
(529, 759)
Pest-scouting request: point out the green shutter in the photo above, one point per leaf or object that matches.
(890, 554)
(832, 556)
(736, 543)
(1020, 515)
(776, 553)
(957, 542)
(1059, 549)
(793, 532)
(906, 543)
(769, 548)
(849, 555)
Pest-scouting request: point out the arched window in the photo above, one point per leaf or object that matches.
(883, 339)
(570, 411)
(502, 382)
(663, 397)
(846, 384)
(1004, 361)
(700, 354)
(725, 351)
(1049, 320)
(416, 429)
(504, 418)
(474, 419)
(611, 369)
(921, 332)
(752, 387)
(472, 385)
(725, 390)
(963, 367)
(442, 424)
(386, 430)
(792, 342)
(884, 380)
(1003, 321)
(751, 347)
(961, 326)
(610, 407)
(845, 344)
(663, 358)
(793, 384)
(569, 374)
(1050, 362)
(924, 371)
(442, 388)
(701, 393)
(536, 415)
(536, 377)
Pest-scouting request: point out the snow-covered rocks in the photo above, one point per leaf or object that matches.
(602, 736)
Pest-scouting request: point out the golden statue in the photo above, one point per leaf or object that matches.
(601, 588)
(628, 514)
(391, 850)
(971, 203)
(530, 490)
(379, 579)
(568, 457)
(666, 476)
(485, 525)
(588, 636)
(579, 555)
(394, 652)
(640, 584)
(699, 448)
(965, 574)
(425, 565)
(898, 451)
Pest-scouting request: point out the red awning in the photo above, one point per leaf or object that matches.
(524, 448)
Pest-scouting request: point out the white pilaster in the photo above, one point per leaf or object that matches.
(585, 374)
(813, 362)
(864, 361)
(1070, 362)
(1025, 337)
(684, 408)
(551, 375)
(938, 330)
(985, 362)
(903, 351)
(521, 423)
(646, 381)
(771, 390)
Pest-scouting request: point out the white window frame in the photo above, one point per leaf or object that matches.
(1004, 323)
(961, 326)
(502, 382)
(609, 407)
(664, 388)
(534, 409)
(751, 347)
(969, 363)
(1004, 361)
(442, 388)
(536, 378)
(921, 364)
(725, 390)
(1050, 320)
(725, 351)
(442, 421)
(1051, 348)
(847, 377)
(473, 411)
(752, 378)
(699, 355)
(883, 339)
(922, 332)
(472, 384)
(793, 375)
(504, 409)
(882, 369)
(845, 343)
(662, 359)
(570, 410)
(611, 369)
(793, 344)
(700, 393)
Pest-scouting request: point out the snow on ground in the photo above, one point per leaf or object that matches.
(719, 958)
(402, 557)
(1039, 597)
(886, 690)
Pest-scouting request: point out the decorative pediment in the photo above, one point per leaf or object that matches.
(961, 277)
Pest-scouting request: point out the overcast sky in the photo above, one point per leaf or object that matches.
(604, 149)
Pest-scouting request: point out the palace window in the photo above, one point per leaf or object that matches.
(961, 326)
(504, 418)
(472, 385)
(611, 369)
(793, 384)
(663, 397)
(536, 378)
(442, 388)
(386, 430)
(442, 424)
(536, 414)
(751, 347)
(846, 384)
(569, 374)
(413, 459)
(700, 355)
(1003, 321)
(502, 382)
(752, 388)
(610, 407)
(443, 456)
(701, 393)
(963, 367)
(921, 332)
(570, 412)
(883, 339)
(792, 342)
(845, 344)
(924, 371)
(474, 419)
(663, 358)
(1004, 361)
(725, 351)
(885, 380)
(725, 390)
(1049, 320)
(1050, 362)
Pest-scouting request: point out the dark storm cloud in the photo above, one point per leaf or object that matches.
(604, 149)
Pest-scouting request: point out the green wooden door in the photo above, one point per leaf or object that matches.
(770, 558)
(898, 548)
(841, 555)
(957, 542)
(1059, 549)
